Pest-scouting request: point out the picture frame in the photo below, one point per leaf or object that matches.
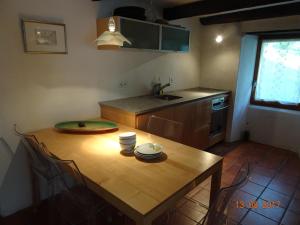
(44, 37)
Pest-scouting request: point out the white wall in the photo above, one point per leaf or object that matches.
(275, 127)
(6, 157)
(219, 69)
(282, 23)
(280, 128)
(37, 91)
(219, 62)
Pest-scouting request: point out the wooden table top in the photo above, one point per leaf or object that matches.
(135, 184)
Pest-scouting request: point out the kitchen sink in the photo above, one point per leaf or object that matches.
(168, 97)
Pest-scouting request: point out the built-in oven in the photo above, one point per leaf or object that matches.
(219, 110)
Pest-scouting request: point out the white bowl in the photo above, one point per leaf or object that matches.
(127, 142)
(127, 147)
(127, 135)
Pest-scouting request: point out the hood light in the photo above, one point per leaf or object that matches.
(112, 37)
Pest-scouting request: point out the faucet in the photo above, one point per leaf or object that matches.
(158, 89)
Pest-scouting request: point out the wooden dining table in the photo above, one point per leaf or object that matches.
(141, 190)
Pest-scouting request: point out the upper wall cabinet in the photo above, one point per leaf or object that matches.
(147, 35)
(175, 39)
(138, 33)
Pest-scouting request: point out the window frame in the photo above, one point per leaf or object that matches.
(273, 104)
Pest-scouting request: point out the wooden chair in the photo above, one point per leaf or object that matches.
(166, 128)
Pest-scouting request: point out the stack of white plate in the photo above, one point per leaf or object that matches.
(127, 141)
(148, 151)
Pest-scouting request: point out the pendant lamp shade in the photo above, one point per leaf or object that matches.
(112, 37)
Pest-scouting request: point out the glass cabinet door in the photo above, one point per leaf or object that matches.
(142, 35)
(175, 39)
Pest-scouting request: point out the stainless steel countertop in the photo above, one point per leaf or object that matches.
(143, 104)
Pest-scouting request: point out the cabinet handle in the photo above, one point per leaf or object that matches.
(218, 109)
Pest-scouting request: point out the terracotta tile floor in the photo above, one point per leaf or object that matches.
(274, 184)
(274, 178)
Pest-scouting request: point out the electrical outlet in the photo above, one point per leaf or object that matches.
(123, 84)
(171, 80)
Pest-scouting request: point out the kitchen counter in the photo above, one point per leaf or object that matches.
(143, 104)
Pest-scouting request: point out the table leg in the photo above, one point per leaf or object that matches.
(215, 183)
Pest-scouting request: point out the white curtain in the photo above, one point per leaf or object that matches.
(279, 72)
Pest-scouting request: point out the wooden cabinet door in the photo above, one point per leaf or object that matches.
(194, 116)
(201, 117)
(183, 114)
(142, 120)
(200, 137)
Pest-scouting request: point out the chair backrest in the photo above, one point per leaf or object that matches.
(165, 128)
(38, 163)
(65, 173)
(63, 168)
(220, 209)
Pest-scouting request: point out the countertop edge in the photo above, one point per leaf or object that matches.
(177, 103)
(169, 104)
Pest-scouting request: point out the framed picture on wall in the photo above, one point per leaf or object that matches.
(42, 37)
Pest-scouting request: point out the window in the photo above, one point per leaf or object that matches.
(277, 72)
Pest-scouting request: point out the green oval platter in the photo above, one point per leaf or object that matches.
(90, 126)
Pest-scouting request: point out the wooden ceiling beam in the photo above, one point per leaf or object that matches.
(206, 7)
(261, 13)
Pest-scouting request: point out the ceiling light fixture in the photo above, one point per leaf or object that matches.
(112, 37)
(219, 39)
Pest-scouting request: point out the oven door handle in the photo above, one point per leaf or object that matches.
(218, 109)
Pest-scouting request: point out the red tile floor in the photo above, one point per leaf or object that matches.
(273, 188)
(274, 185)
